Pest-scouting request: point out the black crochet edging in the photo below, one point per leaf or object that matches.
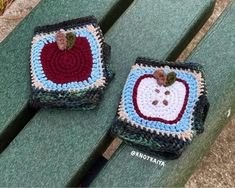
(64, 99)
(202, 105)
(85, 102)
(78, 22)
(180, 65)
(200, 113)
(168, 147)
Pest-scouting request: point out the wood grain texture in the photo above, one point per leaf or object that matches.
(216, 53)
(56, 143)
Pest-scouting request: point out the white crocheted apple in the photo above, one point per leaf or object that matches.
(160, 102)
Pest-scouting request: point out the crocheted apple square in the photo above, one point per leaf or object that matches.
(69, 64)
(174, 110)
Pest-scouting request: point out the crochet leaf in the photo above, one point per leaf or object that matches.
(170, 78)
(70, 40)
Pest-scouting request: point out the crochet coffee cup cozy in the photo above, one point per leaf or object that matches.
(69, 64)
(163, 105)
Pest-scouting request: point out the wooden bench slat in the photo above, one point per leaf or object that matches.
(15, 53)
(216, 54)
(55, 143)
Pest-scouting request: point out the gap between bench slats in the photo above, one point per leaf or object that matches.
(15, 52)
(55, 144)
(216, 53)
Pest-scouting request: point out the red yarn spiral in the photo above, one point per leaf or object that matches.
(66, 66)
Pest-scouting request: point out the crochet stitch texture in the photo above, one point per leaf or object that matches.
(74, 77)
(159, 119)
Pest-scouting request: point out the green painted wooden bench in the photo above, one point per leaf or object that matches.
(15, 51)
(216, 53)
(57, 147)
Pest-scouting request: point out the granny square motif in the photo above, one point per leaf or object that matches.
(158, 118)
(69, 64)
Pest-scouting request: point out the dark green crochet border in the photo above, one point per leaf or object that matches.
(168, 147)
(84, 99)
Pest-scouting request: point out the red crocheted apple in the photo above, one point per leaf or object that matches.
(69, 65)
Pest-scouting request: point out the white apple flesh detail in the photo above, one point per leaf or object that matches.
(156, 101)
